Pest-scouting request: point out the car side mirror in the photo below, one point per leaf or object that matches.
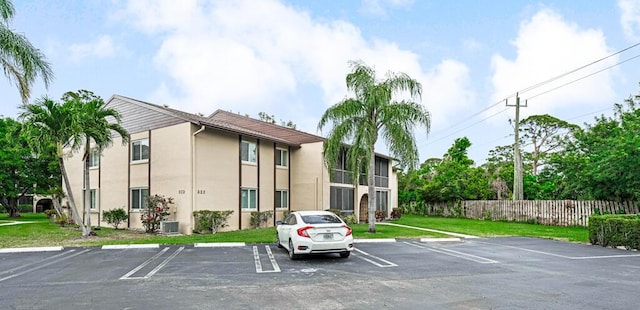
(279, 223)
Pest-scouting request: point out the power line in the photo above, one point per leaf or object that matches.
(576, 69)
(462, 129)
(584, 77)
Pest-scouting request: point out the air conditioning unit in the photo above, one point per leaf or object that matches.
(168, 227)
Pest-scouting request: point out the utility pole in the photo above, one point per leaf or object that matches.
(518, 193)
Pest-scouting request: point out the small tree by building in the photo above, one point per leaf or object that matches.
(156, 211)
(115, 217)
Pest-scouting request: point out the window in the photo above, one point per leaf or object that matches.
(140, 150)
(248, 152)
(340, 173)
(341, 199)
(249, 199)
(382, 172)
(139, 198)
(381, 201)
(282, 158)
(93, 199)
(290, 220)
(282, 199)
(94, 158)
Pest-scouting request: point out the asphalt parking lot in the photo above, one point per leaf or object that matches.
(495, 273)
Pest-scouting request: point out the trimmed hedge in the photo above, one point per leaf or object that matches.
(615, 230)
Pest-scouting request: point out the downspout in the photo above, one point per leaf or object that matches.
(193, 174)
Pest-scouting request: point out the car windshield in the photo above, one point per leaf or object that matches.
(321, 219)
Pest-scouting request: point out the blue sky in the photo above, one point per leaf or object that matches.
(290, 58)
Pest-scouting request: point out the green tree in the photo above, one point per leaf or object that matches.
(22, 171)
(545, 134)
(21, 61)
(97, 124)
(47, 123)
(374, 113)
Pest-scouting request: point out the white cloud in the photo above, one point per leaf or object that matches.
(250, 56)
(548, 46)
(379, 7)
(630, 18)
(102, 47)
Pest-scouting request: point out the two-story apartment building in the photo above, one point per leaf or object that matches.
(221, 162)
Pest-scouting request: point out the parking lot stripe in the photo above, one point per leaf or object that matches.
(276, 268)
(388, 263)
(272, 259)
(164, 262)
(471, 257)
(48, 263)
(126, 276)
(380, 240)
(605, 256)
(431, 230)
(561, 256)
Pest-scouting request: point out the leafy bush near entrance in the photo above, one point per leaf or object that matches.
(156, 211)
(259, 218)
(396, 214)
(207, 221)
(615, 230)
(115, 216)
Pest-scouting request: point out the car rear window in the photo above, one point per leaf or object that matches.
(321, 219)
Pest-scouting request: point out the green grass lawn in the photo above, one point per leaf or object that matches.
(490, 229)
(43, 233)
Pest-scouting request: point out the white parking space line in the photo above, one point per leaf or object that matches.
(370, 258)
(272, 259)
(558, 255)
(60, 257)
(471, 257)
(147, 262)
(164, 262)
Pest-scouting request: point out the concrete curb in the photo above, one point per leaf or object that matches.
(386, 240)
(130, 246)
(27, 250)
(440, 239)
(218, 244)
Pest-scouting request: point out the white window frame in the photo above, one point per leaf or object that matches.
(94, 202)
(141, 142)
(252, 204)
(142, 199)
(94, 158)
(283, 155)
(252, 152)
(283, 193)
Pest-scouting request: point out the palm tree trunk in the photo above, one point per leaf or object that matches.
(372, 192)
(87, 188)
(72, 202)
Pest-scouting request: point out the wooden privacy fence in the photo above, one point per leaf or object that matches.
(546, 212)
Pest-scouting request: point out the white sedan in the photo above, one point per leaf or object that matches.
(314, 232)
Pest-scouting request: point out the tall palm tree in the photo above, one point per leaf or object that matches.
(97, 125)
(21, 61)
(359, 121)
(50, 123)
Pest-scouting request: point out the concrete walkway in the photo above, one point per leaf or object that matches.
(15, 223)
(431, 230)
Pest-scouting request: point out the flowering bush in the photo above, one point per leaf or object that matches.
(156, 211)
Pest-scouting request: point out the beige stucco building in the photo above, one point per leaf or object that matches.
(221, 162)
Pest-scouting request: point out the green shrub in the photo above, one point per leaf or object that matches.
(115, 216)
(615, 230)
(207, 221)
(156, 211)
(25, 208)
(259, 218)
(350, 219)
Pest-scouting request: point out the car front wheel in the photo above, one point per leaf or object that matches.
(292, 255)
